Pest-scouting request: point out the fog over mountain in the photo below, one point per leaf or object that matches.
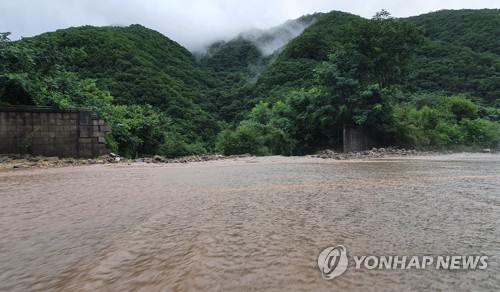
(198, 23)
(270, 40)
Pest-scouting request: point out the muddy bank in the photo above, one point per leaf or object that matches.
(17, 161)
(375, 153)
(25, 161)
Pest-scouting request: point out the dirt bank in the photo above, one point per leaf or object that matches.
(375, 153)
(26, 161)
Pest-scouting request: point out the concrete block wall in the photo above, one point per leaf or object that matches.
(52, 132)
(357, 139)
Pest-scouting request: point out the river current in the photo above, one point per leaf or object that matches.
(248, 224)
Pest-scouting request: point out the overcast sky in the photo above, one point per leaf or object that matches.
(194, 23)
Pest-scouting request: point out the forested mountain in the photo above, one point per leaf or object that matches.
(378, 74)
(477, 30)
(430, 81)
(137, 65)
(462, 54)
(455, 58)
(294, 68)
(158, 90)
(238, 63)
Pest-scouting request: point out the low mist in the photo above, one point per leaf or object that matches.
(270, 40)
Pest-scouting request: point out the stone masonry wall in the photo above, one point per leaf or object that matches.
(52, 132)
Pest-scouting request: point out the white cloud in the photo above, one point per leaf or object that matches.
(194, 23)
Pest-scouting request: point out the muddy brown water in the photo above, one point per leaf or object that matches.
(248, 224)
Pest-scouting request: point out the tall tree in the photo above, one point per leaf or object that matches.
(373, 58)
(377, 51)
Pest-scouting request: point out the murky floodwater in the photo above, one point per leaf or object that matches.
(253, 224)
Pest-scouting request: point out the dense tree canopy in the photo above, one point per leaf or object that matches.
(474, 29)
(431, 81)
(372, 76)
(88, 67)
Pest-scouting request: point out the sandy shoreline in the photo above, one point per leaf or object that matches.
(327, 156)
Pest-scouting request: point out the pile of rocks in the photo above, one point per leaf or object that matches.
(105, 159)
(27, 161)
(186, 159)
(114, 158)
(374, 153)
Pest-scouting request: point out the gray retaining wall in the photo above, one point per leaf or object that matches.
(52, 132)
(357, 139)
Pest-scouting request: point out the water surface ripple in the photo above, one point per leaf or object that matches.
(252, 224)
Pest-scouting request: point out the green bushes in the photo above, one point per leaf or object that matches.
(443, 123)
(136, 129)
(258, 135)
(177, 145)
(145, 130)
(247, 138)
(307, 121)
(480, 133)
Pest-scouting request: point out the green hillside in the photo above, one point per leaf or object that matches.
(453, 69)
(457, 58)
(246, 75)
(238, 63)
(295, 65)
(430, 81)
(477, 30)
(139, 67)
(136, 64)
(462, 54)
(233, 64)
(387, 75)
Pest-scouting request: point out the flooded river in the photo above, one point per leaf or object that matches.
(248, 224)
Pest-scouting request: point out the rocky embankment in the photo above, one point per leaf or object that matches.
(26, 161)
(374, 153)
